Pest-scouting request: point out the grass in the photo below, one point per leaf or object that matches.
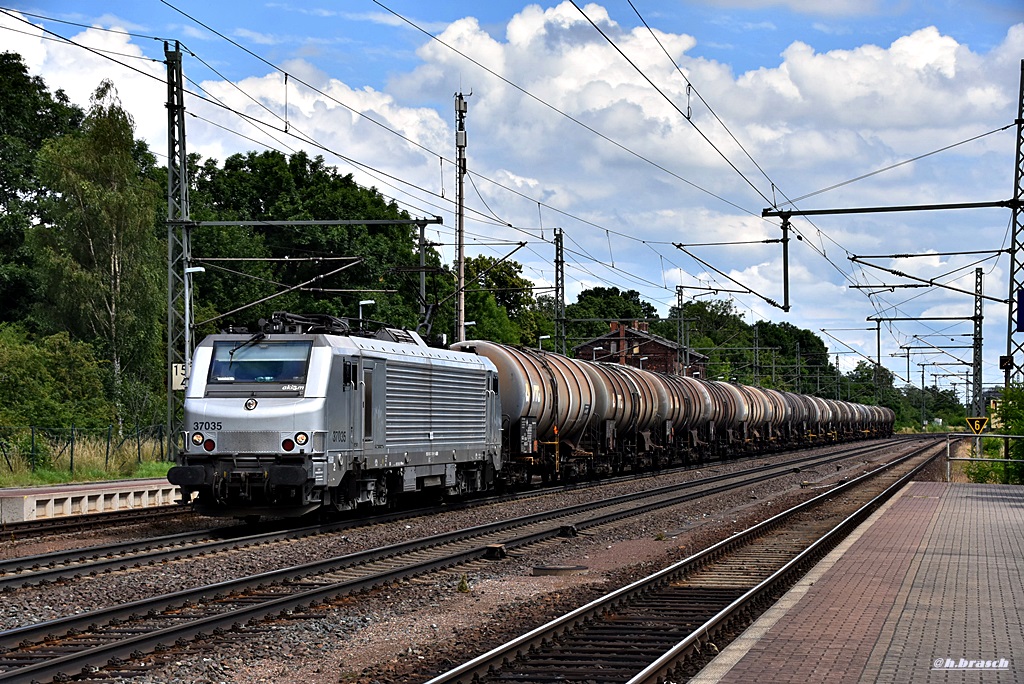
(94, 460)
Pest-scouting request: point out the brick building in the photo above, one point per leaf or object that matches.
(634, 345)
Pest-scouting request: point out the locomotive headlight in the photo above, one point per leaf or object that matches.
(197, 438)
(301, 438)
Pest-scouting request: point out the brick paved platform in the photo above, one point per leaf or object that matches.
(933, 581)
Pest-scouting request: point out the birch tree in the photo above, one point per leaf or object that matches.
(97, 250)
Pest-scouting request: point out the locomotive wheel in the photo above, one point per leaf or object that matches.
(381, 492)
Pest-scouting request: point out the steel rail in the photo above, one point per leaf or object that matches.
(300, 577)
(796, 567)
(479, 667)
(57, 565)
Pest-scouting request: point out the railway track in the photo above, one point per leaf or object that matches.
(668, 625)
(72, 564)
(26, 529)
(119, 634)
(120, 556)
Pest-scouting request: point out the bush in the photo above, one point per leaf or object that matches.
(56, 381)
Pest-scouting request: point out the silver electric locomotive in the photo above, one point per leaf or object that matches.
(307, 414)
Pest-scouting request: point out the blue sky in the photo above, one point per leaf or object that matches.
(564, 131)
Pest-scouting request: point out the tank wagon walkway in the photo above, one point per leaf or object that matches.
(931, 582)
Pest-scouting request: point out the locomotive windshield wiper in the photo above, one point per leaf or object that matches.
(242, 345)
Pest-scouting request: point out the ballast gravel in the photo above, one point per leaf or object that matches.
(408, 631)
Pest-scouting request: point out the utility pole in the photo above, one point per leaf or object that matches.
(785, 263)
(799, 388)
(757, 360)
(682, 333)
(922, 394)
(460, 229)
(423, 269)
(878, 359)
(682, 356)
(1014, 324)
(179, 251)
(559, 293)
(839, 379)
(976, 407)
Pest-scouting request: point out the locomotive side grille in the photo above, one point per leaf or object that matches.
(445, 402)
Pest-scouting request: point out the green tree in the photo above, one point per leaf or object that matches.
(269, 186)
(492, 322)
(56, 382)
(716, 329)
(29, 115)
(99, 260)
(512, 295)
(867, 385)
(1009, 414)
(595, 308)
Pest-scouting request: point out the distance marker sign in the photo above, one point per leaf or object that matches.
(977, 424)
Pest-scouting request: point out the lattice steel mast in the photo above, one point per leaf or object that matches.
(1010, 363)
(179, 225)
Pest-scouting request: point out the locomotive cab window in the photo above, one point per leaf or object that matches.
(260, 362)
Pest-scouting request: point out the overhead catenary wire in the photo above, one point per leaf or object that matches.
(688, 118)
(669, 100)
(662, 285)
(365, 168)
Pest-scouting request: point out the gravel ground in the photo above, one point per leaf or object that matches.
(187, 522)
(398, 633)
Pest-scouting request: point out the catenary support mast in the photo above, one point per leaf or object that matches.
(179, 339)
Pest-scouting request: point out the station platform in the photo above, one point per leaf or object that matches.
(84, 498)
(929, 589)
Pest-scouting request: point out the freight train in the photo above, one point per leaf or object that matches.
(309, 415)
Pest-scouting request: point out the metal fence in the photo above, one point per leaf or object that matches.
(977, 449)
(56, 447)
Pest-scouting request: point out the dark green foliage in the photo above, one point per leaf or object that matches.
(594, 308)
(51, 382)
(498, 298)
(29, 115)
(268, 186)
(1009, 415)
(542, 320)
(96, 254)
(491, 320)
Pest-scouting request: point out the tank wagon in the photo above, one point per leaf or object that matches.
(567, 418)
(309, 415)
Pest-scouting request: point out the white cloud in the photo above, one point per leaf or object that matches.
(257, 37)
(813, 7)
(815, 119)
